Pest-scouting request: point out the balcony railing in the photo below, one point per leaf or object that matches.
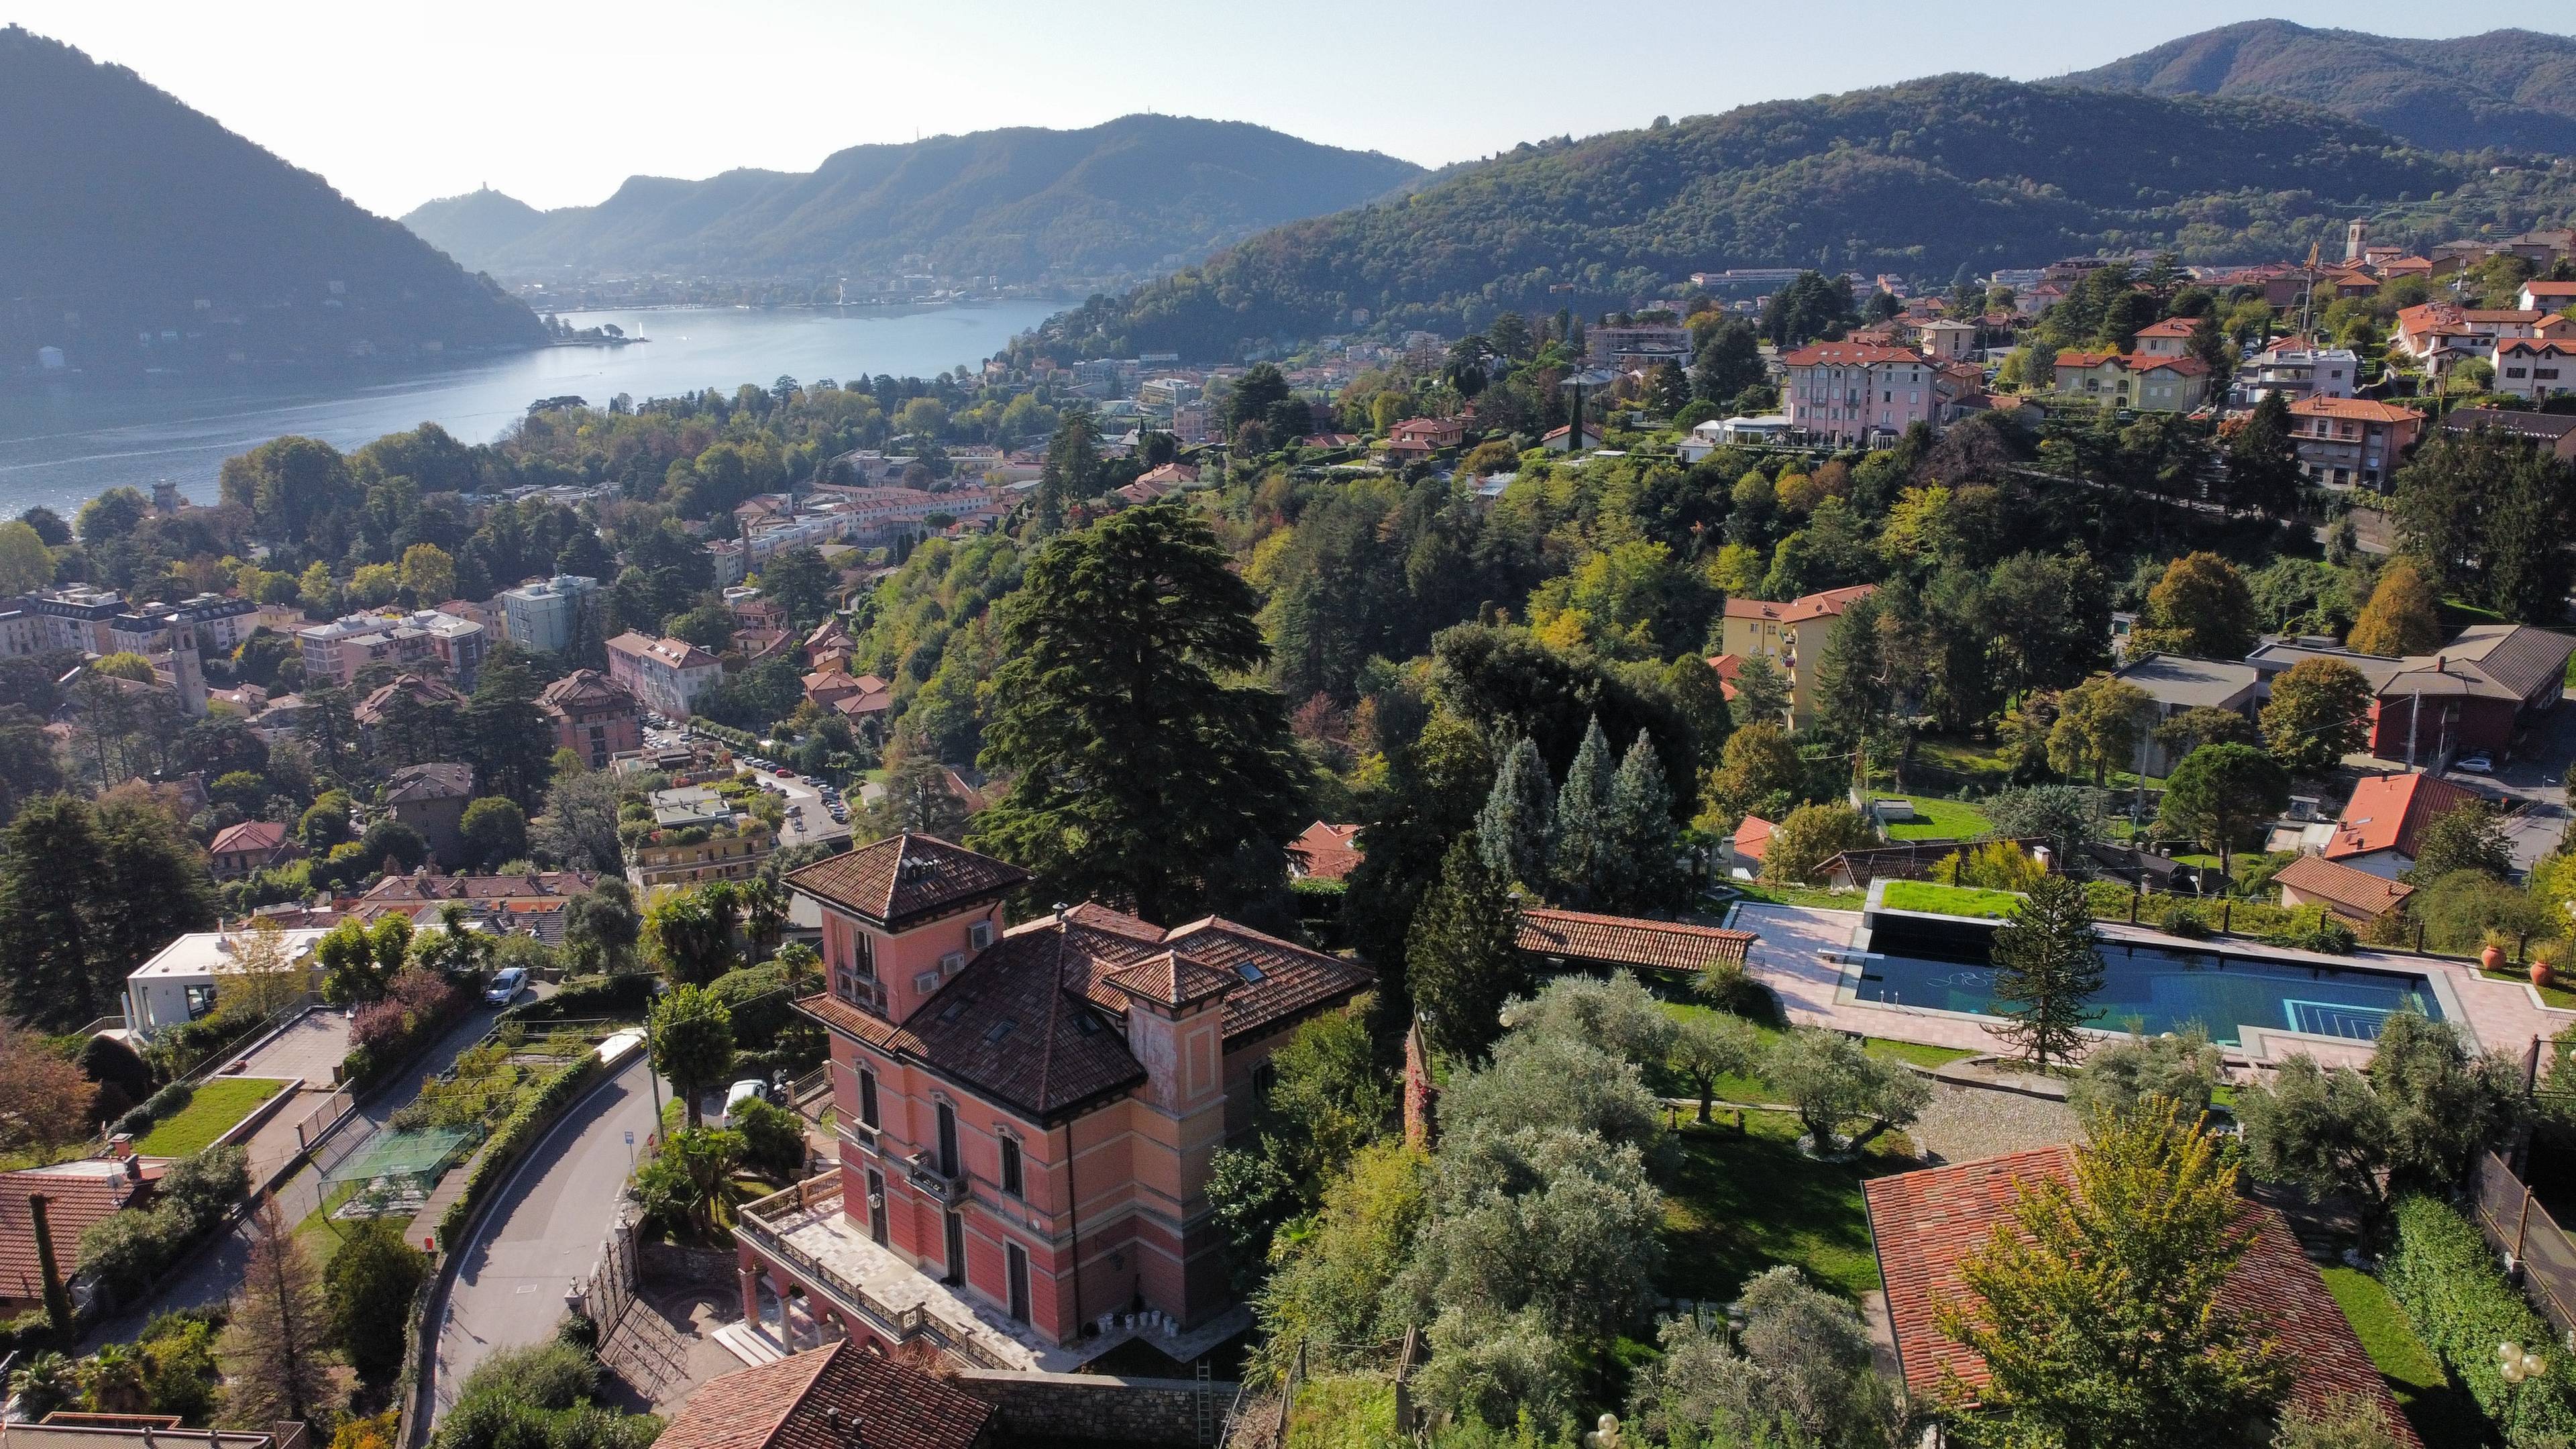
(759, 1222)
(949, 1188)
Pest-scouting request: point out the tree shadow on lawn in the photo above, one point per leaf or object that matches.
(1738, 1205)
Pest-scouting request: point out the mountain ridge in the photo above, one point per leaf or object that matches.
(2504, 89)
(1015, 202)
(1931, 179)
(142, 233)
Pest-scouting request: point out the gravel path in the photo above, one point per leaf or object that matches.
(1966, 1123)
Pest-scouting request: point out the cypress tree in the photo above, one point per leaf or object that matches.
(1585, 858)
(1460, 961)
(1641, 829)
(1518, 823)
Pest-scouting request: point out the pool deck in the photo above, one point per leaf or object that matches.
(1795, 958)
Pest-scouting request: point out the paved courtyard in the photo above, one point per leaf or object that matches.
(1798, 950)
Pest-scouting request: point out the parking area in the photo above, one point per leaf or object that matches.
(2533, 784)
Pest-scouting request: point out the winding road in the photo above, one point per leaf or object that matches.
(544, 1230)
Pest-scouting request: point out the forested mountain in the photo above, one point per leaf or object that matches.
(1930, 179)
(128, 214)
(2514, 89)
(1141, 192)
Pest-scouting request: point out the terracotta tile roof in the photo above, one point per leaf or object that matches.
(904, 877)
(2390, 812)
(2535, 347)
(250, 835)
(841, 1397)
(1325, 851)
(2187, 366)
(1628, 941)
(1033, 1020)
(1813, 606)
(1847, 354)
(2501, 314)
(1924, 1223)
(582, 691)
(425, 689)
(670, 653)
(1753, 836)
(2170, 327)
(2358, 409)
(429, 782)
(2081, 360)
(2539, 288)
(76, 1195)
(2349, 892)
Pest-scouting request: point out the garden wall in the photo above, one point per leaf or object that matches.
(1096, 1406)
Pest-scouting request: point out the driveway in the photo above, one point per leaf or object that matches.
(2534, 786)
(543, 1231)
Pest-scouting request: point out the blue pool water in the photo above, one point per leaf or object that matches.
(2163, 990)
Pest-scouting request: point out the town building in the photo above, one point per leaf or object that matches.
(2135, 380)
(335, 652)
(407, 695)
(2534, 368)
(78, 617)
(2357, 896)
(666, 675)
(2346, 442)
(252, 846)
(2295, 373)
(1029, 1114)
(544, 614)
(593, 716)
(2382, 827)
(185, 979)
(1788, 634)
(697, 838)
(2176, 683)
(2474, 695)
(217, 622)
(1637, 344)
(2553, 433)
(431, 799)
(1851, 391)
(1925, 1224)
(1325, 852)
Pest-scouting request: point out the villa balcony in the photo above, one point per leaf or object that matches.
(948, 1189)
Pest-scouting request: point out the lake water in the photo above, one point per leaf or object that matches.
(66, 444)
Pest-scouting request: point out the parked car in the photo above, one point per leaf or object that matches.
(784, 773)
(505, 988)
(739, 1093)
(2477, 765)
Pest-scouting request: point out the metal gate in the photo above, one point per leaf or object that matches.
(633, 1338)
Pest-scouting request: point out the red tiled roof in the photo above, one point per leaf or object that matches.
(1753, 836)
(1924, 1223)
(2359, 409)
(1327, 852)
(584, 690)
(76, 1195)
(841, 1397)
(1847, 354)
(1813, 606)
(2079, 360)
(2349, 892)
(2535, 347)
(1627, 940)
(2170, 327)
(2391, 811)
(250, 835)
(1031, 1021)
(905, 876)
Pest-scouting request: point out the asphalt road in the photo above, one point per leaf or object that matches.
(543, 1232)
(2536, 779)
(213, 1272)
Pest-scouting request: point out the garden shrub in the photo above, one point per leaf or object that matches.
(2314, 930)
(126, 1251)
(2444, 1276)
(512, 1138)
(624, 994)
(773, 1140)
(759, 1000)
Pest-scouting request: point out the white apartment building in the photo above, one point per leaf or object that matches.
(666, 674)
(338, 650)
(541, 615)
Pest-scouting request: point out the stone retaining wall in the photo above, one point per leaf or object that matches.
(666, 1263)
(1096, 1406)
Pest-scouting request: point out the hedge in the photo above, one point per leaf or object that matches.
(511, 1141)
(627, 993)
(124, 1252)
(2443, 1274)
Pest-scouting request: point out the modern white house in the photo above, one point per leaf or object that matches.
(539, 615)
(185, 980)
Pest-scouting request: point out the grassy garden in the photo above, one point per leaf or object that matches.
(1924, 895)
(1738, 1204)
(2441, 1411)
(1938, 819)
(215, 1109)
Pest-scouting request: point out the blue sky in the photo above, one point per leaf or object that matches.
(556, 103)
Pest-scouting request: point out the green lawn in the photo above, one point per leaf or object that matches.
(1938, 819)
(2558, 996)
(1924, 895)
(217, 1105)
(1737, 1205)
(2442, 1412)
(1782, 893)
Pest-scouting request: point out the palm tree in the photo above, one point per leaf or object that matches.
(764, 914)
(47, 1383)
(112, 1382)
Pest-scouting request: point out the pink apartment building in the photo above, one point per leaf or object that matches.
(1848, 391)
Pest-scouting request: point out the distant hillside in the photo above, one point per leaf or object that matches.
(129, 213)
(1137, 193)
(2509, 89)
(1930, 179)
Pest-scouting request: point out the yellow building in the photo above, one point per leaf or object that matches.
(1791, 635)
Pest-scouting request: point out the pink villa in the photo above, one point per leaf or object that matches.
(1027, 1114)
(1848, 391)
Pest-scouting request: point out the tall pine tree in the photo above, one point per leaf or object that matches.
(2046, 971)
(1641, 829)
(1518, 824)
(1585, 857)
(1460, 960)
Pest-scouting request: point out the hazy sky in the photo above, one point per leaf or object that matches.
(557, 103)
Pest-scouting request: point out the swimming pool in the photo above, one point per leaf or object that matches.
(2161, 990)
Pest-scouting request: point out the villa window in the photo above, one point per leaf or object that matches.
(868, 1098)
(1011, 1168)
